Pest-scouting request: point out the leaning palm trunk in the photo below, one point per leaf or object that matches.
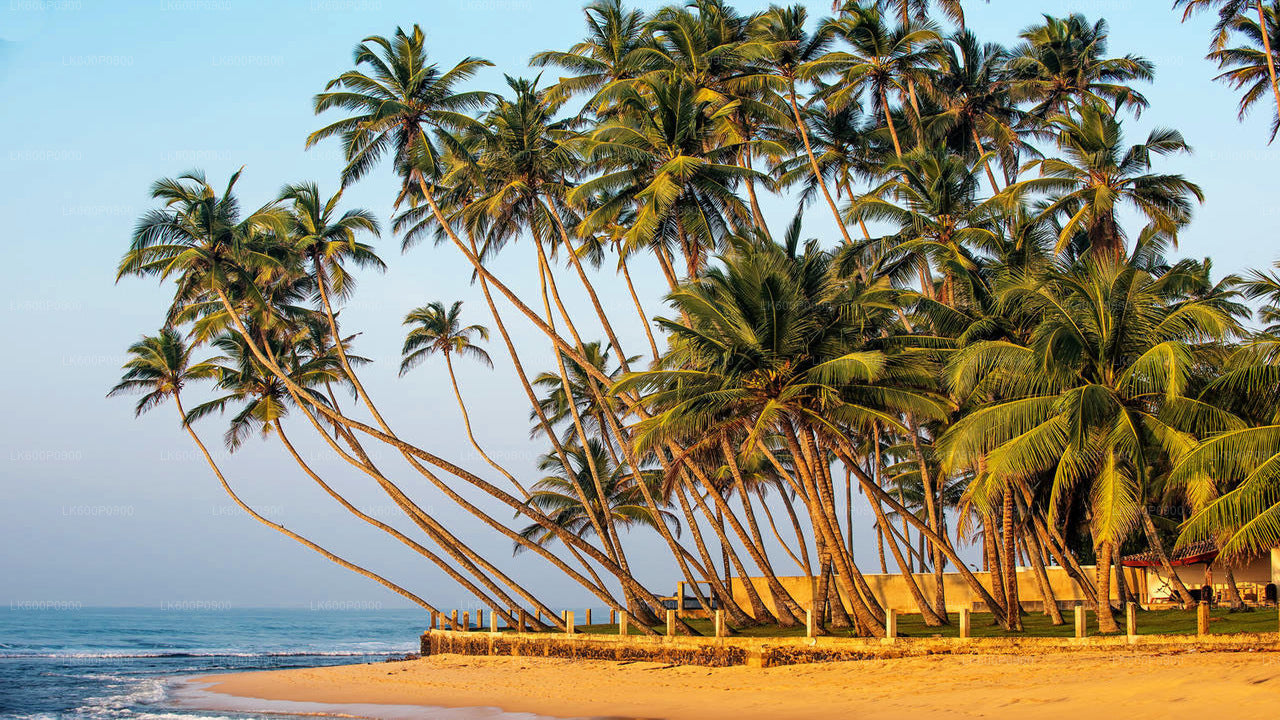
(1271, 59)
(1157, 547)
(226, 487)
(821, 516)
(416, 456)
(1050, 600)
(813, 161)
(501, 609)
(927, 612)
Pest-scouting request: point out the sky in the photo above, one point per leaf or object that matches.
(99, 508)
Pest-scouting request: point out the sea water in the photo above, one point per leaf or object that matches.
(126, 663)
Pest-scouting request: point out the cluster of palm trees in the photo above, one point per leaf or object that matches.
(994, 351)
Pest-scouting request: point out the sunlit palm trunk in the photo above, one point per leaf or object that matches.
(788, 611)
(1266, 45)
(1032, 543)
(644, 319)
(415, 454)
(1013, 608)
(1106, 616)
(1153, 539)
(466, 423)
(501, 608)
(287, 532)
(813, 161)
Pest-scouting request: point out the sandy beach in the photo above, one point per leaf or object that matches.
(1064, 685)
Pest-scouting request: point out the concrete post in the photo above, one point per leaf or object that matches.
(479, 619)
(671, 623)
(1131, 622)
(810, 624)
(720, 628)
(493, 622)
(622, 626)
(569, 629)
(1081, 629)
(613, 616)
(966, 624)
(466, 622)
(588, 617)
(524, 620)
(890, 624)
(453, 620)
(1202, 619)
(435, 620)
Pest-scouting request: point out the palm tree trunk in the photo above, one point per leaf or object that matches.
(226, 487)
(1266, 44)
(813, 161)
(893, 131)
(1047, 595)
(986, 164)
(1013, 608)
(1106, 616)
(788, 612)
(644, 319)
(759, 611)
(501, 606)
(466, 422)
(1153, 539)
(737, 615)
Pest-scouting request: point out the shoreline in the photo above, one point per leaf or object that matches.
(1050, 685)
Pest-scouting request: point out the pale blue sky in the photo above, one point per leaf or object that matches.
(103, 98)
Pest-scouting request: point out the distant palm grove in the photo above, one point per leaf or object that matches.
(993, 349)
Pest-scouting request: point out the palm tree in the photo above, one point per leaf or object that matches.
(660, 156)
(779, 41)
(931, 200)
(608, 56)
(401, 99)
(557, 494)
(439, 330)
(1061, 65)
(1231, 18)
(1094, 398)
(1231, 476)
(1098, 174)
(160, 367)
(881, 58)
(1250, 67)
(972, 91)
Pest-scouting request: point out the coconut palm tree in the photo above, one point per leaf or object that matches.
(439, 330)
(1250, 67)
(880, 59)
(1098, 174)
(779, 41)
(972, 91)
(660, 156)
(557, 494)
(1094, 397)
(160, 367)
(1231, 18)
(605, 58)
(1061, 64)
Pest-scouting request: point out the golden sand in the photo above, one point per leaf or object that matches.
(1073, 685)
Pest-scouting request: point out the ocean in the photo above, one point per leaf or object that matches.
(59, 661)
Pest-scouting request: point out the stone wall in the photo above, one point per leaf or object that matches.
(770, 652)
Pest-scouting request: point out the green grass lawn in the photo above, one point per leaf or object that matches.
(1156, 622)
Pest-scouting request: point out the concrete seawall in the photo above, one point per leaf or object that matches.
(771, 652)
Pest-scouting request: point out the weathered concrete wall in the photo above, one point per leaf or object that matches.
(892, 589)
(770, 652)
